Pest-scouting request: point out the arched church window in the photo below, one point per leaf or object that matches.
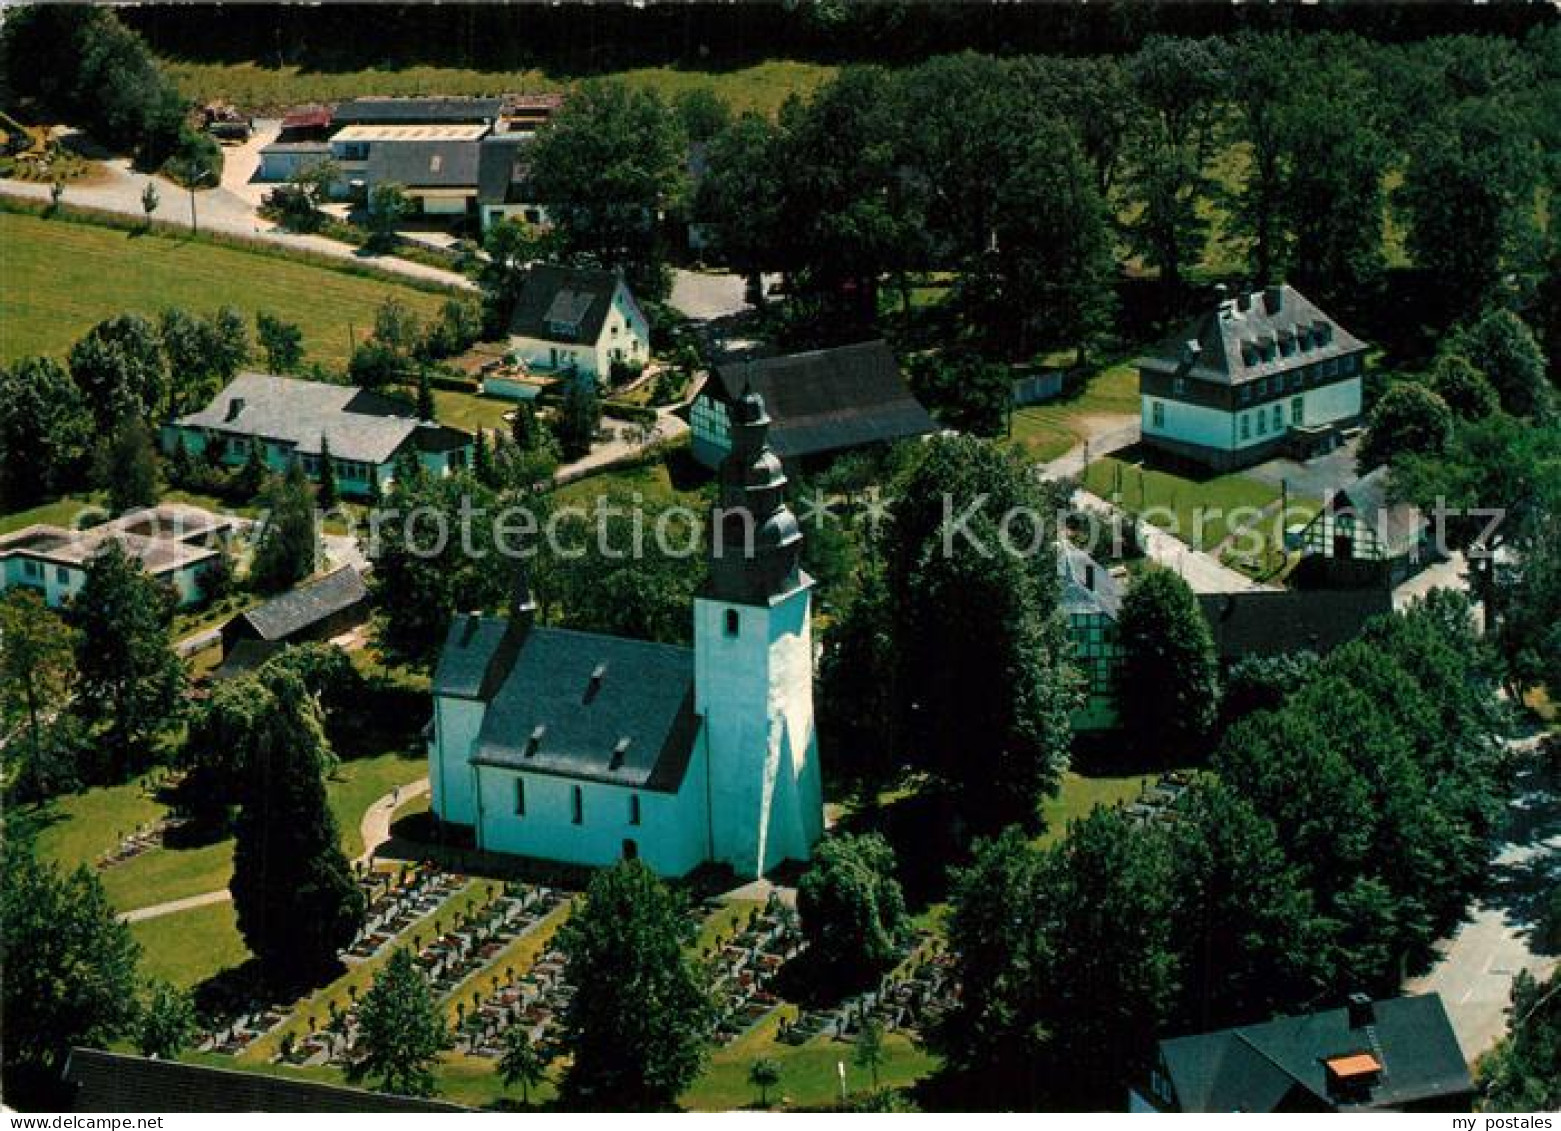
(731, 622)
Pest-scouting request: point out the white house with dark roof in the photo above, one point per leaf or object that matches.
(586, 749)
(1262, 373)
(292, 419)
(579, 320)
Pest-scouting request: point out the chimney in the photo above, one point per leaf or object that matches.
(1361, 1012)
(235, 406)
(1273, 299)
(594, 684)
(522, 606)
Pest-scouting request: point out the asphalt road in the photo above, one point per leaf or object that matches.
(1480, 960)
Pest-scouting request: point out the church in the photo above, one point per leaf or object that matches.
(586, 749)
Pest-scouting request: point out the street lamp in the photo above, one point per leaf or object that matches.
(192, 181)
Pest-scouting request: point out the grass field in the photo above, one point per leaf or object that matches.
(82, 827)
(61, 278)
(471, 411)
(761, 87)
(1081, 794)
(191, 946)
(1047, 431)
(1196, 511)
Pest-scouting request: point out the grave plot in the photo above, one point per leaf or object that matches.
(1159, 801)
(143, 840)
(909, 998)
(475, 939)
(744, 967)
(534, 998)
(396, 901)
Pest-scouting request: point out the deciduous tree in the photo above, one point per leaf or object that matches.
(1167, 681)
(853, 914)
(401, 1030)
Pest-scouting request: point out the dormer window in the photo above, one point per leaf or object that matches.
(534, 742)
(619, 751)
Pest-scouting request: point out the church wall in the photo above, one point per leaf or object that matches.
(763, 765)
(456, 723)
(671, 837)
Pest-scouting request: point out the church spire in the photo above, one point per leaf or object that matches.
(756, 543)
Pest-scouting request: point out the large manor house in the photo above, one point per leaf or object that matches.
(583, 748)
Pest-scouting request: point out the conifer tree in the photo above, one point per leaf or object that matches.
(327, 495)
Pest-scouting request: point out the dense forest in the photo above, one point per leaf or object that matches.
(576, 39)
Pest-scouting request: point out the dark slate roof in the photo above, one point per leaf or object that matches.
(246, 655)
(828, 400)
(412, 111)
(1270, 622)
(500, 166)
(1280, 1064)
(580, 296)
(309, 603)
(1397, 525)
(360, 425)
(424, 164)
(575, 704)
(1087, 586)
(117, 1082)
(476, 656)
(1227, 344)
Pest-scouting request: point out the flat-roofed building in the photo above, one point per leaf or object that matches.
(179, 545)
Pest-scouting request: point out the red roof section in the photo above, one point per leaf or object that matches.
(307, 117)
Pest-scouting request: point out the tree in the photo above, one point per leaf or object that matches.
(127, 466)
(1504, 348)
(853, 914)
(288, 547)
(637, 1025)
(523, 427)
(967, 392)
(1261, 683)
(397, 328)
(1468, 199)
(388, 206)
(1053, 269)
(740, 197)
(607, 163)
(401, 1030)
(869, 1048)
(512, 246)
(1462, 387)
(374, 365)
(1519, 1073)
(167, 1023)
(1168, 231)
(418, 591)
(251, 477)
(294, 894)
(37, 667)
(1242, 918)
(282, 343)
(857, 707)
(1408, 418)
(45, 430)
(70, 965)
(120, 369)
(150, 199)
(764, 1074)
(425, 394)
(981, 682)
(701, 112)
(523, 1062)
(131, 678)
(1168, 678)
(579, 417)
(328, 496)
(228, 341)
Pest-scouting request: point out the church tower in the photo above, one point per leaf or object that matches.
(753, 663)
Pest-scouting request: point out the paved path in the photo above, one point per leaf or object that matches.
(1478, 963)
(173, 906)
(377, 819)
(625, 445)
(219, 210)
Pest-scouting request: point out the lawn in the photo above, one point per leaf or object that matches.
(1047, 431)
(188, 947)
(662, 482)
(61, 278)
(1080, 795)
(809, 1072)
(91, 823)
(64, 512)
(1196, 511)
(471, 411)
(256, 88)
